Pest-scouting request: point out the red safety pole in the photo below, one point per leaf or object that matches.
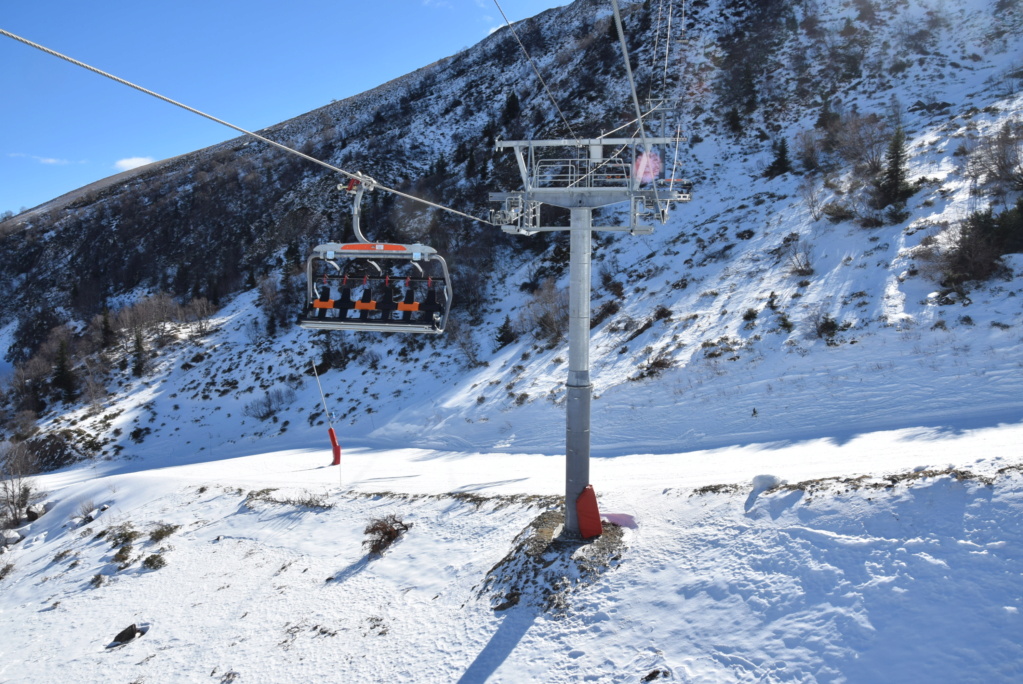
(335, 446)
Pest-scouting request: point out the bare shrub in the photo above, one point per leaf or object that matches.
(999, 158)
(800, 260)
(270, 403)
(123, 556)
(822, 323)
(154, 561)
(162, 531)
(463, 337)
(303, 500)
(813, 198)
(608, 272)
(655, 365)
(837, 212)
(605, 311)
(808, 150)
(546, 314)
(86, 507)
(382, 532)
(122, 535)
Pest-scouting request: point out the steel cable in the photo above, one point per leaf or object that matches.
(261, 138)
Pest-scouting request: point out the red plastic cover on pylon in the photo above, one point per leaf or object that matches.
(589, 515)
(335, 447)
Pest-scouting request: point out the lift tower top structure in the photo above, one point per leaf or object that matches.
(577, 175)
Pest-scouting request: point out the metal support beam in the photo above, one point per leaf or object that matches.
(577, 425)
(581, 184)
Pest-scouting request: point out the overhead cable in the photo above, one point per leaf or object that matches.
(232, 126)
(667, 50)
(632, 85)
(535, 70)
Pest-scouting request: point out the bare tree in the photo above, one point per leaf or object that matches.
(863, 141)
(808, 149)
(199, 313)
(800, 259)
(813, 197)
(16, 487)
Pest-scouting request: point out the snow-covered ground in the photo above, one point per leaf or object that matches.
(864, 579)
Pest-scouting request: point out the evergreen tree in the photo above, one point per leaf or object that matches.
(138, 364)
(64, 379)
(893, 187)
(505, 334)
(781, 163)
(108, 336)
(512, 108)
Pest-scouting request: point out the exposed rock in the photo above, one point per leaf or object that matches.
(9, 538)
(127, 634)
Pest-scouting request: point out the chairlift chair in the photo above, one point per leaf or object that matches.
(376, 287)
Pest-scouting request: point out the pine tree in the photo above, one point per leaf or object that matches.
(781, 163)
(138, 365)
(505, 334)
(108, 336)
(893, 187)
(64, 379)
(512, 108)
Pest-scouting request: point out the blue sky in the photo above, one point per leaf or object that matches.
(253, 64)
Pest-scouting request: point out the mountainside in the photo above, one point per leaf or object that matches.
(808, 383)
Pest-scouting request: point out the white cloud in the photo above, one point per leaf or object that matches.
(42, 160)
(132, 163)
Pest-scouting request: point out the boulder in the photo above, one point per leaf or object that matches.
(35, 511)
(9, 538)
(127, 634)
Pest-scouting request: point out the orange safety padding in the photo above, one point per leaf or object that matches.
(364, 246)
(588, 514)
(366, 306)
(414, 306)
(320, 304)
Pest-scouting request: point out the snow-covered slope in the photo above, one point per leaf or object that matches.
(910, 577)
